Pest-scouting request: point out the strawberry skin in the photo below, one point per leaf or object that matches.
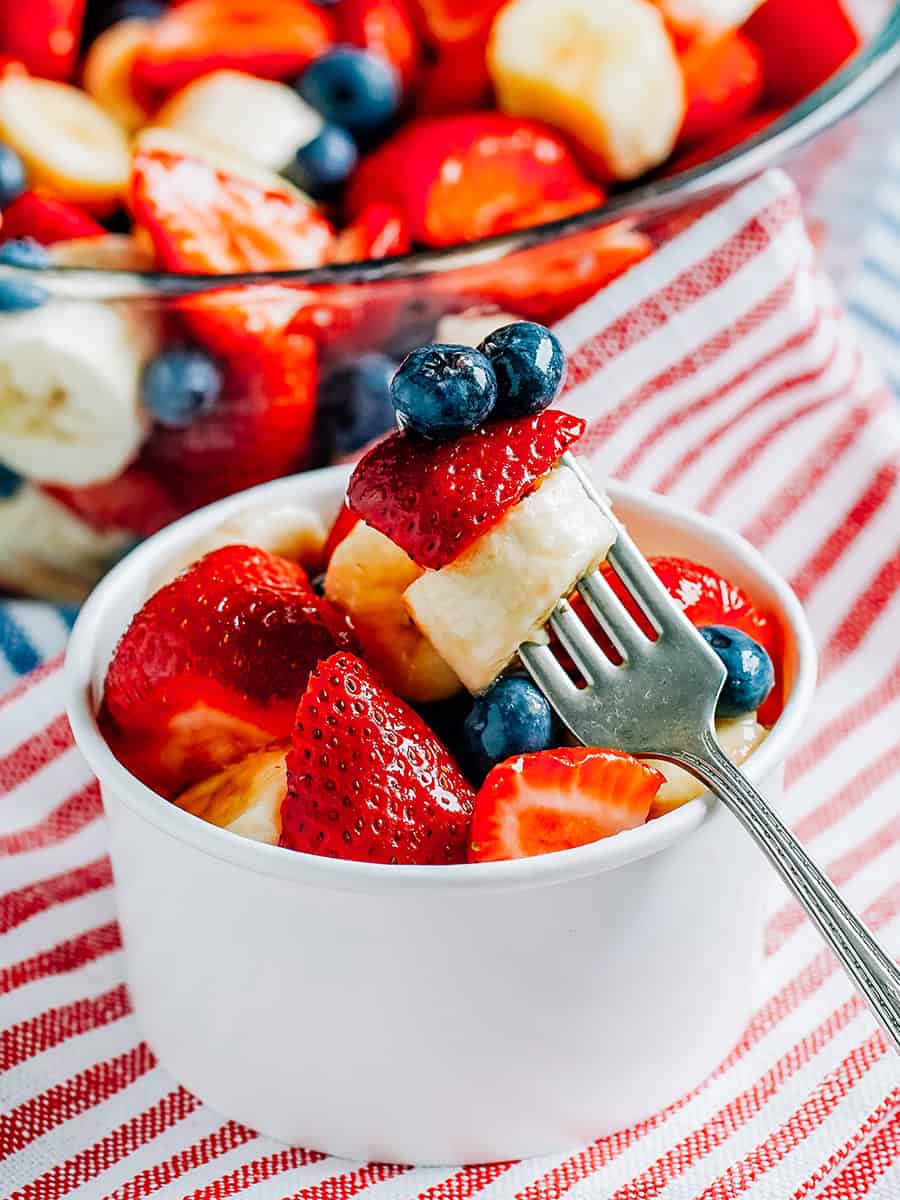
(47, 220)
(132, 502)
(434, 499)
(558, 799)
(213, 664)
(367, 779)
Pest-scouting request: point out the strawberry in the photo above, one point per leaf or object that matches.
(727, 139)
(274, 40)
(470, 175)
(386, 28)
(448, 21)
(457, 80)
(723, 78)
(367, 779)
(10, 65)
(47, 220)
(134, 502)
(378, 232)
(559, 799)
(43, 34)
(434, 499)
(343, 524)
(213, 664)
(803, 43)
(260, 427)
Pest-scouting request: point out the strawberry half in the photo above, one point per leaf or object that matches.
(211, 667)
(260, 427)
(367, 779)
(433, 499)
(47, 220)
(558, 799)
(273, 40)
(133, 501)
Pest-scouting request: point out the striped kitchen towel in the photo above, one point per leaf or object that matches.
(721, 371)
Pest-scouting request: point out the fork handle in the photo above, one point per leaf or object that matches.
(875, 975)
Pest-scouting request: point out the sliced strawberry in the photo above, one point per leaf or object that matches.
(133, 502)
(457, 80)
(723, 78)
(433, 499)
(367, 779)
(386, 28)
(47, 220)
(378, 232)
(343, 523)
(43, 34)
(273, 40)
(204, 220)
(470, 175)
(260, 427)
(449, 21)
(803, 43)
(740, 131)
(10, 65)
(213, 664)
(559, 799)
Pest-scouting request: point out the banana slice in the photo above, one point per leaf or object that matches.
(706, 16)
(605, 72)
(107, 71)
(48, 552)
(70, 408)
(366, 577)
(738, 738)
(293, 531)
(68, 142)
(471, 327)
(479, 609)
(112, 252)
(245, 798)
(263, 122)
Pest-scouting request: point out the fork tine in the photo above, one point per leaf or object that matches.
(584, 651)
(641, 580)
(612, 615)
(546, 671)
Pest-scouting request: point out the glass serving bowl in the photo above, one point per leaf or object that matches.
(93, 476)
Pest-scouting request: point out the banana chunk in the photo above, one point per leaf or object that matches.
(707, 16)
(605, 72)
(245, 798)
(70, 407)
(107, 71)
(478, 610)
(738, 738)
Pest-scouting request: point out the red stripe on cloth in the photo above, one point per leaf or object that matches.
(695, 282)
(704, 356)
(850, 796)
(706, 441)
(65, 956)
(743, 1108)
(814, 469)
(846, 530)
(26, 902)
(804, 1121)
(342, 1187)
(91, 1162)
(864, 1171)
(865, 611)
(231, 1135)
(39, 1114)
(62, 822)
(865, 1177)
(683, 413)
(467, 1181)
(40, 1033)
(792, 915)
(33, 677)
(38, 751)
(261, 1169)
(833, 732)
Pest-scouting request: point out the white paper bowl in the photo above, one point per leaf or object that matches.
(437, 1014)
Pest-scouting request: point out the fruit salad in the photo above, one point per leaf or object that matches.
(213, 138)
(359, 695)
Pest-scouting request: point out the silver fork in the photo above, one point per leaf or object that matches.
(681, 676)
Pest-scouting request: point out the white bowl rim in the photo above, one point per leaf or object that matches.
(338, 874)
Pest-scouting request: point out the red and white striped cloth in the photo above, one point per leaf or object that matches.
(723, 372)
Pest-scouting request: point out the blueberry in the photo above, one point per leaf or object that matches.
(355, 404)
(13, 180)
(750, 671)
(24, 252)
(512, 717)
(323, 165)
(442, 391)
(177, 386)
(530, 366)
(353, 88)
(18, 295)
(10, 482)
